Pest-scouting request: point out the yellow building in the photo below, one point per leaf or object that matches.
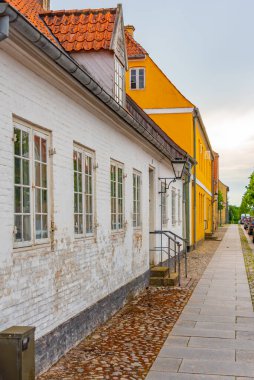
(223, 213)
(216, 218)
(181, 120)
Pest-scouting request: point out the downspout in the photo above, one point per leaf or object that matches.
(213, 196)
(195, 179)
(188, 205)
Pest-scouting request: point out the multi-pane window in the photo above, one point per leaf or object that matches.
(173, 206)
(164, 209)
(136, 199)
(117, 204)
(83, 192)
(119, 82)
(78, 193)
(137, 79)
(31, 188)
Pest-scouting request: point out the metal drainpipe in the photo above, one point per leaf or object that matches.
(161, 223)
(194, 179)
(212, 201)
(188, 205)
(4, 27)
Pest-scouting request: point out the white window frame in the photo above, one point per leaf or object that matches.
(173, 206)
(164, 204)
(179, 208)
(119, 82)
(118, 227)
(137, 69)
(85, 153)
(32, 132)
(137, 191)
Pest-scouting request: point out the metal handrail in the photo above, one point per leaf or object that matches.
(185, 241)
(176, 250)
(172, 233)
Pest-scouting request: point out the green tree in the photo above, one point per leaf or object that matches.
(220, 201)
(234, 214)
(220, 204)
(247, 203)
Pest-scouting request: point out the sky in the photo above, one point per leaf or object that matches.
(206, 48)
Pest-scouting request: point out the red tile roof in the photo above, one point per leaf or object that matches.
(31, 9)
(134, 49)
(87, 29)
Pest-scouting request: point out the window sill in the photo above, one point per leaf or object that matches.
(32, 247)
(117, 232)
(117, 235)
(85, 239)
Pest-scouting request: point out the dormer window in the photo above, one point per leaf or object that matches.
(137, 79)
(119, 82)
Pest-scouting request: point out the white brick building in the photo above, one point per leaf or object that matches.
(74, 238)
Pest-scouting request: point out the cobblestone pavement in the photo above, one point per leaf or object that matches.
(126, 346)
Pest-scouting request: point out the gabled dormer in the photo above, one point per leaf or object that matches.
(94, 38)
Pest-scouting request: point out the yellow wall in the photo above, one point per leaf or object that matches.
(159, 92)
(224, 190)
(179, 127)
(203, 213)
(204, 167)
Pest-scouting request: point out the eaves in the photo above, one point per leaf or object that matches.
(17, 21)
(197, 114)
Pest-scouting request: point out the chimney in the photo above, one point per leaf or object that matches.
(130, 29)
(45, 4)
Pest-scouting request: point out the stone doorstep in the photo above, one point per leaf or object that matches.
(171, 280)
(159, 272)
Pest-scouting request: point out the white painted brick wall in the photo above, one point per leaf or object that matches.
(44, 288)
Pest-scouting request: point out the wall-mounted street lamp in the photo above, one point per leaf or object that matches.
(178, 168)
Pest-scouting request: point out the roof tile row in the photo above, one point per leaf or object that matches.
(134, 49)
(82, 30)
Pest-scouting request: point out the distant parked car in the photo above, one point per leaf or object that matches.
(244, 217)
(251, 227)
(246, 223)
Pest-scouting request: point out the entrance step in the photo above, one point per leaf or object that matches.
(159, 272)
(211, 236)
(171, 280)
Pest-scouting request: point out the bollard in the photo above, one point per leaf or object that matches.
(17, 355)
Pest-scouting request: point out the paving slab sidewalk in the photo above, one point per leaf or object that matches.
(214, 337)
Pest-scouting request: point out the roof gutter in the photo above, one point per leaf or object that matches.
(198, 115)
(25, 28)
(4, 24)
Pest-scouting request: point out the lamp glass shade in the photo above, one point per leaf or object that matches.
(178, 167)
